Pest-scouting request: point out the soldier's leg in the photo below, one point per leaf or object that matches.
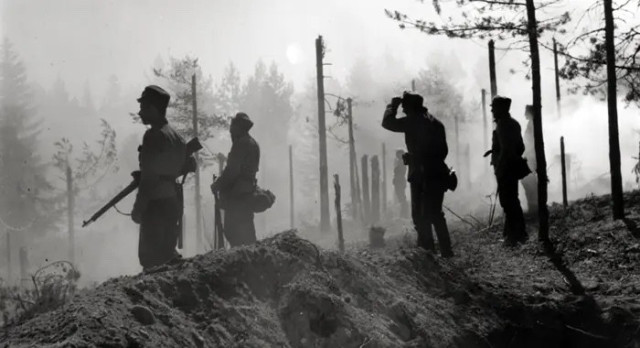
(436, 217)
(514, 219)
(231, 227)
(425, 239)
(151, 227)
(248, 229)
(169, 238)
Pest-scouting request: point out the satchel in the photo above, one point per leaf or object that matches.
(452, 180)
(522, 168)
(262, 200)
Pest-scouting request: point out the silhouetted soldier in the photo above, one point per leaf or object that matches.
(238, 183)
(427, 145)
(507, 149)
(530, 182)
(400, 183)
(158, 202)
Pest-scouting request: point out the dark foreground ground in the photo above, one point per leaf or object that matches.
(579, 291)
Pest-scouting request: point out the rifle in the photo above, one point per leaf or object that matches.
(190, 166)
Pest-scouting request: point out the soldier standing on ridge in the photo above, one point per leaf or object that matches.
(400, 183)
(238, 183)
(157, 207)
(506, 152)
(427, 145)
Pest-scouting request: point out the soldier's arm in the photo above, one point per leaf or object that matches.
(150, 158)
(443, 149)
(390, 122)
(233, 167)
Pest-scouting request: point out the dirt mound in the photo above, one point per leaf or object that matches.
(285, 292)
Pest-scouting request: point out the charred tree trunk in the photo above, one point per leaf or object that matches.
(336, 185)
(352, 163)
(557, 75)
(366, 201)
(485, 125)
(70, 210)
(322, 132)
(383, 188)
(375, 190)
(564, 173)
(291, 202)
(492, 69)
(199, 236)
(543, 212)
(612, 98)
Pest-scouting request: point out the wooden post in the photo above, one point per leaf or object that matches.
(9, 275)
(467, 156)
(352, 163)
(555, 63)
(366, 201)
(485, 128)
(291, 202)
(70, 210)
(413, 85)
(384, 180)
(457, 131)
(492, 70)
(336, 185)
(375, 190)
(322, 132)
(194, 99)
(359, 200)
(564, 173)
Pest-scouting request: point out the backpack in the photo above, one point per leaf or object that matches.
(262, 200)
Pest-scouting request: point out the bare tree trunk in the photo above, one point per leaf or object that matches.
(485, 126)
(492, 70)
(9, 256)
(383, 187)
(199, 237)
(70, 210)
(324, 180)
(291, 196)
(336, 185)
(352, 163)
(543, 212)
(366, 201)
(375, 190)
(24, 265)
(557, 75)
(564, 173)
(612, 98)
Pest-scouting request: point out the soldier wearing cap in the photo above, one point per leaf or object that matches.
(507, 149)
(427, 146)
(400, 183)
(157, 207)
(238, 182)
(530, 182)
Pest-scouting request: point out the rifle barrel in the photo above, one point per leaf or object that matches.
(124, 193)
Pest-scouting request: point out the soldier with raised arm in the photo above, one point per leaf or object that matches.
(427, 149)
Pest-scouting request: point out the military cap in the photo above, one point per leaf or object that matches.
(501, 102)
(155, 95)
(412, 100)
(242, 120)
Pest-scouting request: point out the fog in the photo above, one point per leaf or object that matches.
(90, 60)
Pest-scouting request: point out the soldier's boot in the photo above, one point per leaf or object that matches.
(444, 240)
(425, 239)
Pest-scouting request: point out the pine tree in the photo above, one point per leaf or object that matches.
(24, 190)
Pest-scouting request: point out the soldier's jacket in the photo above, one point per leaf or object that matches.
(239, 175)
(426, 142)
(161, 157)
(507, 146)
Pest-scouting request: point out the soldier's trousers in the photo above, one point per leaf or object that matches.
(426, 210)
(514, 228)
(239, 228)
(159, 232)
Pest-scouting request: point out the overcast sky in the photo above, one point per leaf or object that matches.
(81, 40)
